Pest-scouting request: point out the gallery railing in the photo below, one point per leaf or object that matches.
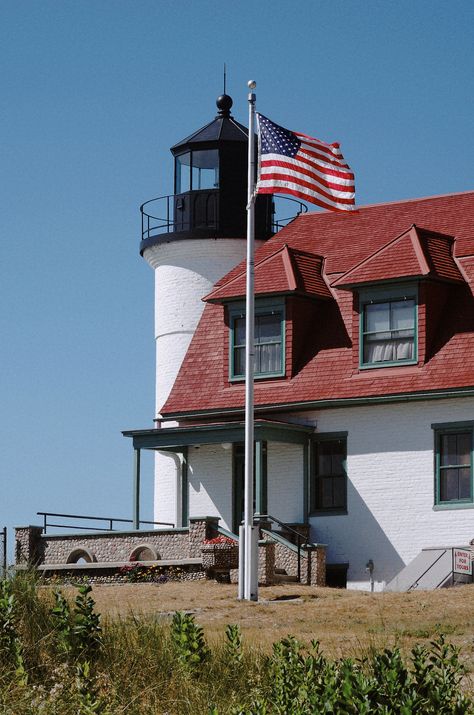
(107, 519)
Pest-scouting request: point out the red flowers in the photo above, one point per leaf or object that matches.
(221, 540)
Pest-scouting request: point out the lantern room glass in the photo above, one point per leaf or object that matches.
(197, 170)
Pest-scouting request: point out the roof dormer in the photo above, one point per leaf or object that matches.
(399, 292)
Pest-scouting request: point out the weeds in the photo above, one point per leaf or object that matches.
(78, 666)
(188, 639)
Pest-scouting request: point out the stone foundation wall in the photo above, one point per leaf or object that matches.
(168, 545)
(114, 575)
(312, 565)
(35, 548)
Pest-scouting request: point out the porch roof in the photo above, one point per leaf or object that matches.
(175, 439)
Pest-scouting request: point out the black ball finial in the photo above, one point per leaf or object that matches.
(224, 103)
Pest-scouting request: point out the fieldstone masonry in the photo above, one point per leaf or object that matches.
(28, 545)
(103, 550)
(38, 549)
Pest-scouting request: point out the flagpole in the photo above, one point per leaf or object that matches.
(248, 581)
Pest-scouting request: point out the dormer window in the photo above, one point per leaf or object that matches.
(388, 326)
(269, 340)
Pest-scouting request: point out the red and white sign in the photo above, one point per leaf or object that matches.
(462, 561)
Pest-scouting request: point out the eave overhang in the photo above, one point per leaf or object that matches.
(330, 403)
(176, 439)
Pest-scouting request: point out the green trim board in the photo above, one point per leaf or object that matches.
(326, 404)
(136, 488)
(379, 295)
(264, 307)
(176, 439)
(453, 464)
(184, 488)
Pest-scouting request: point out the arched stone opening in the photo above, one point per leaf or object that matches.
(144, 552)
(81, 556)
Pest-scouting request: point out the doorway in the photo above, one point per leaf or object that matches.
(238, 472)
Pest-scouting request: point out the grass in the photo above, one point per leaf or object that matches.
(347, 623)
(137, 672)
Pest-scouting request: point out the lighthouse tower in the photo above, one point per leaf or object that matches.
(191, 239)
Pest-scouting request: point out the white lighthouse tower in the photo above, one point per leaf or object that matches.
(191, 239)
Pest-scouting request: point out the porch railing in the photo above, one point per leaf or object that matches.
(110, 520)
(288, 529)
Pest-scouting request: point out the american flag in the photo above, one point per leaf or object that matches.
(293, 163)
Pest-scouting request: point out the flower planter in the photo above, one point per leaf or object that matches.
(220, 556)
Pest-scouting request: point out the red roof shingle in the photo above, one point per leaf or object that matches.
(346, 241)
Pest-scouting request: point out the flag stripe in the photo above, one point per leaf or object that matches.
(295, 181)
(294, 163)
(326, 168)
(305, 197)
(326, 148)
(331, 162)
(337, 177)
(300, 172)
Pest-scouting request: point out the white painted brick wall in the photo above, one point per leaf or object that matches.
(167, 480)
(210, 483)
(285, 481)
(390, 487)
(185, 271)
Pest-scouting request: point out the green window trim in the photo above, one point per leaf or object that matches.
(339, 506)
(460, 466)
(263, 307)
(378, 295)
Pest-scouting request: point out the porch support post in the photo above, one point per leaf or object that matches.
(136, 489)
(184, 488)
(259, 478)
(306, 478)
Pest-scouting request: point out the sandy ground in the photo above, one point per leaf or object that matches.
(345, 622)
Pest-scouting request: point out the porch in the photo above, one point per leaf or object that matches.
(200, 469)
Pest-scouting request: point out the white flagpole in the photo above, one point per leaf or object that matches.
(250, 546)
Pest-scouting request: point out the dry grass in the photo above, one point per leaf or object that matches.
(345, 622)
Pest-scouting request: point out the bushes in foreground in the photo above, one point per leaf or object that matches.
(57, 658)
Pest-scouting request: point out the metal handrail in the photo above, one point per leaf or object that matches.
(281, 222)
(285, 527)
(111, 521)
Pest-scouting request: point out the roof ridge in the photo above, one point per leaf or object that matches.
(367, 259)
(386, 203)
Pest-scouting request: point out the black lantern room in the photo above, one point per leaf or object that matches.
(210, 187)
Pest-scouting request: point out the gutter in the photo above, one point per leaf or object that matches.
(326, 404)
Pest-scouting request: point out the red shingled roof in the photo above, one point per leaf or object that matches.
(284, 271)
(416, 253)
(331, 371)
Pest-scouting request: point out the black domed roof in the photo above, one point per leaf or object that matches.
(224, 128)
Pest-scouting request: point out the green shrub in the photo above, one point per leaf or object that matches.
(142, 666)
(11, 649)
(306, 683)
(233, 646)
(78, 632)
(188, 639)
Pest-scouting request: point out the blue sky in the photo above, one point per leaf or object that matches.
(94, 92)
